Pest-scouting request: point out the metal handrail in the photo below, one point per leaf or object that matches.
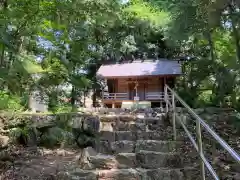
(209, 167)
(199, 122)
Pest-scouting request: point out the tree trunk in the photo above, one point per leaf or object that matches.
(4, 3)
(84, 98)
(2, 56)
(73, 98)
(10, 60)
(235, 32)
(5, 6)
(94, 98)
(211, 44)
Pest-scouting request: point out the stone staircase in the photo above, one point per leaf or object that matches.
(136, 149)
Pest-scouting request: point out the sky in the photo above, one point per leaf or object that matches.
(125, 1)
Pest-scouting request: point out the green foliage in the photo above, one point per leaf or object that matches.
(10, 102)
(207, 31)
(234, 120)
(68, 140)
(63, 109)
(144, 11)
(63, 120)
(54, 137)
(19, 135)
(46, 45)
(205, 98)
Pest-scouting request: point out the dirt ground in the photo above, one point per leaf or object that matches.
(36, 163)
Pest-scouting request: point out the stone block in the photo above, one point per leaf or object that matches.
(126, 160)
(107, 136)
(104, 147)
(102, 162)
(153, 135)
(79, 174)
(126, 118)
(106, 126)
(108, 118)
(125, 135)
(123, 146)
(132, 126)
(4, 141)
(152, 160)
(154, 145)
(120, 174)
(164, 174)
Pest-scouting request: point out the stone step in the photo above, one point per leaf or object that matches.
(105, 147)
(137, 125)
(187, 173)
(115, 118)
(155, 145)
(128, 118)
(151, 120)
(143, 159)
(132, 126)
(133, 174)
(126, 160)
(123, 146)
(120, 161)
(152, 159)
(115, 147)
(128, 126)
(101, 161)
(126, 146)
(125, 135)
(131, 123)
(133, 136)
(108, 118)
(107, 136)
(121, 174)
(149, 123)
(79, 174)
(154, 135)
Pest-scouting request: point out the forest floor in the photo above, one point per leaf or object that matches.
(36, 163)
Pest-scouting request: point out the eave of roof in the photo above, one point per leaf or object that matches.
(139, 68)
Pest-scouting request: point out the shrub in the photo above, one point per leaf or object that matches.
(19, 135)
(10, 102)
(54, 137)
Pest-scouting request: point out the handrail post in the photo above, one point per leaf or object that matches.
(174, 118)
(200, 148)
(166, 97)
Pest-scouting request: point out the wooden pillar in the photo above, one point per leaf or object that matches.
(136, 87)
(165, 81)
(144, 90)
(166, 98)
(163, 84)
(116, 85)
(159, 84)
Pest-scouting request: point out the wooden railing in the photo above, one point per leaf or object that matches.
(154, 95)
(125, 96)
(117, 96)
